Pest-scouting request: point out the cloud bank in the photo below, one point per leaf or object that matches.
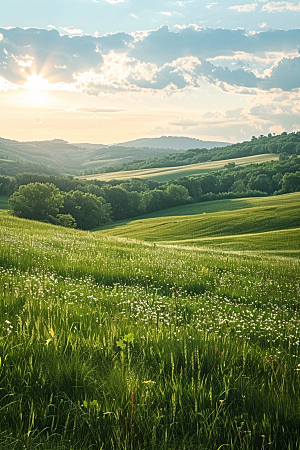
(157, 60)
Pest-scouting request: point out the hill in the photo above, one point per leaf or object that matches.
(213, 221)
(114, 344)
(58, 155)
(172, 143)
(288, 144)
(174, 173)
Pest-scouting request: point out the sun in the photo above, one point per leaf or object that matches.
(36, 85)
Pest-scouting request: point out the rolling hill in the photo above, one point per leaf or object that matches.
(61, 156)
(173, 173)
(236, 224)
(172, 142)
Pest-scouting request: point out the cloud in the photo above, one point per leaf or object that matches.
(281, 6)
(210, 5)
(54, 56)
(112, 2)
(72, 30)
(88, 109)
(37, 120)
(244, 8)
(157, 60)
(184, 123)
(285, 75)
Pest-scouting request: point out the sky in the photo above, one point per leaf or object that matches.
(107, 71)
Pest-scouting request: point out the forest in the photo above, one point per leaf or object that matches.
(91, 203)
(282, 143)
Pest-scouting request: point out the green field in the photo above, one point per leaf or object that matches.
(3, 202)
(237, 224)
(173, 173)
(113, 344)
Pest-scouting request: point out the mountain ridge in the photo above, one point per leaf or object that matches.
(172, 142)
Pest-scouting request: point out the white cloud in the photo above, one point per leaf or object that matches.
(112, 2)
(281, 6)
(209, 5)
(51, 27)
(184, 123)
(244, 8)
(166, 13)
(7, 86)
(133, 15)
(72, 30)
(263, 25)
(37, 120)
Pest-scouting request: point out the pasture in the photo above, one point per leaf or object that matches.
(3, 202)
(109, 343)
(238, 224)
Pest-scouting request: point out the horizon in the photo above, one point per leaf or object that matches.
(114, 143)
(112, 71)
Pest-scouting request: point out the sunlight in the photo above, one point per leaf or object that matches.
(35, 85)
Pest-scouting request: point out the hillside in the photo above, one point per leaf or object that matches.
(110, 343)
(214, 221)
(172, 142)
(174, 173)
(61, 156)
(283, 143)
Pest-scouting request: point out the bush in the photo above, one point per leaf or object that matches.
(37, 201)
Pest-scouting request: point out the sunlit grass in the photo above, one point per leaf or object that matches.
(108, 344)
(244, 224)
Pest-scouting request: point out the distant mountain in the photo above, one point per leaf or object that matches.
(64, 157)
(172, 142)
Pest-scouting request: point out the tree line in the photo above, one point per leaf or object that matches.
(288, 144)
(88, 204)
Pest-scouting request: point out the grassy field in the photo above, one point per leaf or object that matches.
(173, 173)
(107, 344)
(3, 202)
(237, 224)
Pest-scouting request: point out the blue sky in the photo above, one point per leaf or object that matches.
(113, 70)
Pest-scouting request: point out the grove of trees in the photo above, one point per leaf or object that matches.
(45, 202)
(88, 204)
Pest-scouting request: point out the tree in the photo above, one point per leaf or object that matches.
(291, 182)
(155, 200)
(37, 201)
(261, 183)
(88, 210)
(177, 195)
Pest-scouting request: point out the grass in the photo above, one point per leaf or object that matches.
(227, 222)
(111, 344)
(3, 202)
(173, 173)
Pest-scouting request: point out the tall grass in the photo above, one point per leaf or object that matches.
(107, 344)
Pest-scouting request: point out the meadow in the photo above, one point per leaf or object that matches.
(3, 202)
(163, 174)
(260, 224)
(109, 343)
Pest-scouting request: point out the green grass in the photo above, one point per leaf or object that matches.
(173, 173)
(3, 202)
(223, 218)
(107, 344)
